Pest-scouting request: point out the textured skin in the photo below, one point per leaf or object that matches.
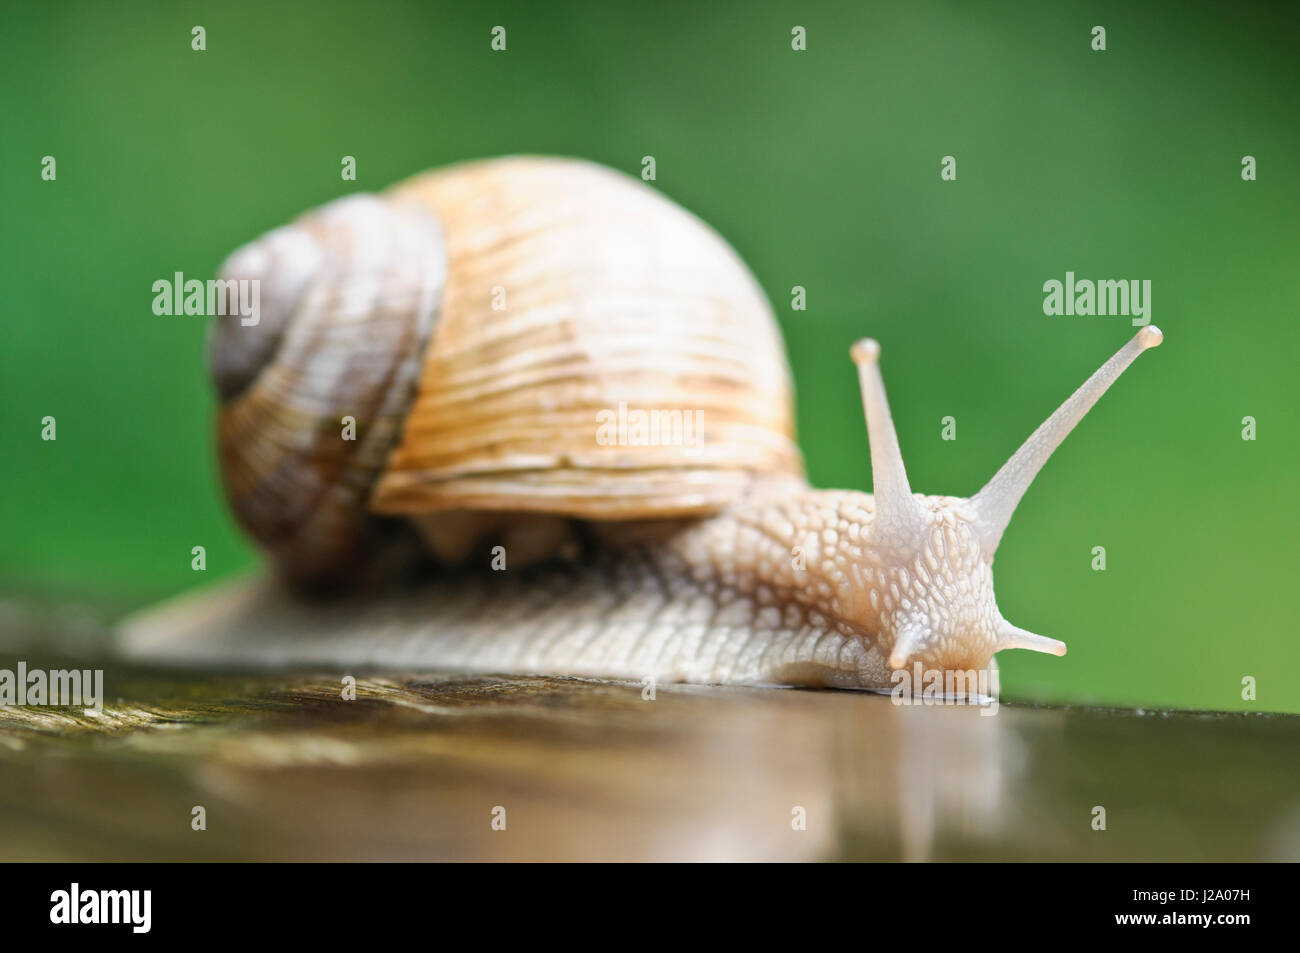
(715, 600)
(788, 585)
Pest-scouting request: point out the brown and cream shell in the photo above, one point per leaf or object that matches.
(475, 322)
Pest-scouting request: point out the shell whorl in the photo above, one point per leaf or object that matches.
(479, 323)
(617, 298)
(349, 294)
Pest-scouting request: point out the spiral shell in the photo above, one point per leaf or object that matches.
(479, 323)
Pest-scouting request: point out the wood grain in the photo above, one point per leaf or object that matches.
(589, 770)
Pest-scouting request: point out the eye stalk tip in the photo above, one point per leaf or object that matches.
(1150, 337)
(865, 351)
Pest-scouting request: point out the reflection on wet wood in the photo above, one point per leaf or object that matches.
(588, 770)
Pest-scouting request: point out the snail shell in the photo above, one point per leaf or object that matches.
(475, 321)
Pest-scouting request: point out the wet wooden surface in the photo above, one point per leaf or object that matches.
(413, 768)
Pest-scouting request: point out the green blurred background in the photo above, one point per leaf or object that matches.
(821, 167)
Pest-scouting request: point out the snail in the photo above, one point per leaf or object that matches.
(475, 322)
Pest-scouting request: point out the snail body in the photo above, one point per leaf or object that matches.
(708, 560)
